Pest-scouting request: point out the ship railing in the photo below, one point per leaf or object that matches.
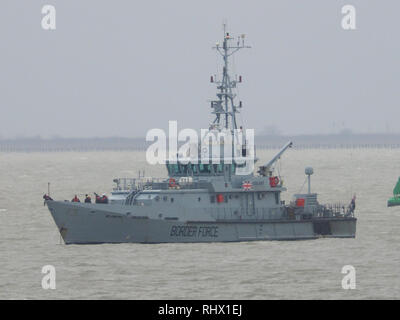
(335, 210)
(124, 184)
(243, 214)
(165, 183)
(129, 184)
(146, 183)
(338, 210)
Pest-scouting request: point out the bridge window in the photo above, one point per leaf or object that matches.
(276, 197)
(218, 168)
(173, 168)
(214, 168)
(204, 168)
(184, 168)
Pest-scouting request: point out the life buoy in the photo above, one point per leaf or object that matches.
(273, 181)
(172, 183)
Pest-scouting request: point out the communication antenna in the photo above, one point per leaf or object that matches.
(225, 108)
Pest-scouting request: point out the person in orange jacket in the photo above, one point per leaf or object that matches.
(104, 198)
(98, 198)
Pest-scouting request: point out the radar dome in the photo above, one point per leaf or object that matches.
(309, 171)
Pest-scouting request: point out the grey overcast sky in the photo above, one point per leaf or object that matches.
(120, 68)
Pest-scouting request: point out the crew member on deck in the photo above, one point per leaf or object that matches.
(98, 198)
(75, 199)
(88, 199)
(46, 198)
(351, 207)
(104, 198)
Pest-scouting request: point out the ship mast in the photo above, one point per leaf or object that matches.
(225, 105)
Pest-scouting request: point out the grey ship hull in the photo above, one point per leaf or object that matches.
(98, 223)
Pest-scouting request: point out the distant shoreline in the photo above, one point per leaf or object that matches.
(332, 141)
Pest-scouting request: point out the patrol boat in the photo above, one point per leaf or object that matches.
(204, 201)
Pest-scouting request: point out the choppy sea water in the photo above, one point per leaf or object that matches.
(248, 270)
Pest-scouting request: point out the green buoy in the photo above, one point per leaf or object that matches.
(395, 200)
